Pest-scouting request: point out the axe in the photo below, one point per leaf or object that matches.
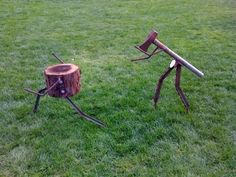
(177, 63)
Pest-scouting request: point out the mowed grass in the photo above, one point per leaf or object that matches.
(99, 37)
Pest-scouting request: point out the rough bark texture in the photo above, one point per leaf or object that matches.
(65, 77)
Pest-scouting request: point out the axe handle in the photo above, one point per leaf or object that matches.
(178, 58)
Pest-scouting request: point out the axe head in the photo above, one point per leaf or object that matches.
(148, 41)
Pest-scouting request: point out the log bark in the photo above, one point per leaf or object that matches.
(62, 80)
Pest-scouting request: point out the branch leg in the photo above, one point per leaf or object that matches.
(85, 116)
(41, 91)
(178, 89)
(159, 85)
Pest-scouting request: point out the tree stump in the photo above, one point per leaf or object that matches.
(62, 80)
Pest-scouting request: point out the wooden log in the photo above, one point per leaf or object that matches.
(62, 80)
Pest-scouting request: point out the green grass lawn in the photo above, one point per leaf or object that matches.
(98, 36)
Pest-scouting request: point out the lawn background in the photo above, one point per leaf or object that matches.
(99, 35)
